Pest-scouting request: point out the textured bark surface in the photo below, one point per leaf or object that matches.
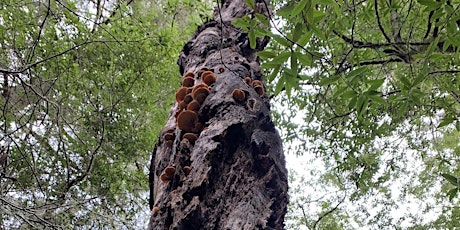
(238, 178)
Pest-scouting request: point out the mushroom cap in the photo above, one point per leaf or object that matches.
(164, 177)
(200, 92)
(191, 137)
(186, 120)
(238, 95)
(203, 69)
(188, 81)
(199, 86)
(257, 82)
(259, 89)
(208, 77)
(170, 170)
(155, 211)
(248, 80)
(187, 170)
(180, 94)
(182, 105)
(189, 74)
(169, 136)
(188, 98)
(193, 105)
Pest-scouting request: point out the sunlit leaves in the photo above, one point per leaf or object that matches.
(366, 80)
(83, 116)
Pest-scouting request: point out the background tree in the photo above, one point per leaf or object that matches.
(219, 162)
(374, 90)
(85, 86)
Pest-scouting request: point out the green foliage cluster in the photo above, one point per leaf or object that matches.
(85, 88)
(373, 90)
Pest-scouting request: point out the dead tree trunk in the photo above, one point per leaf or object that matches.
(219, 161)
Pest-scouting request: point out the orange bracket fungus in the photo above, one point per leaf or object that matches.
(155, 211)
(202, 70)
(188, 81)
(169, 138)
(186, 120)
(180, 94)
(188, 98)
(238, 95)
(259, 89)
(168, 174)
(191, 137)
(256, 82)
(189, 74)
(248, 80)
(200, 92)
(194, 106)
(187, 170)
(208, 77)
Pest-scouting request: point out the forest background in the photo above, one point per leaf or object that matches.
(366, 95)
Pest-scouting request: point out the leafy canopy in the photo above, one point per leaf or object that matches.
(373, 90)
(85, 88)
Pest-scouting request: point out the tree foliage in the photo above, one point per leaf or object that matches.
(86, 87)
(373, 90)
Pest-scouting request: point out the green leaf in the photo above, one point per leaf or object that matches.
(348, 94)
(446, 121)
(242, 23)
(379, 100)
(252, 39)
(281, 40)
(286, 10)
(361, 105)
(305, 38)
(375, 84)
(453, 180)
(250, 3)
(305, 59)
(281, 58)
(265, 54)
(279, 85)
(329, 80)
(352, 102)
(452, 193)
(299, 7)
(356, 72)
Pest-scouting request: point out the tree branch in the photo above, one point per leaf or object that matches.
(380, 23)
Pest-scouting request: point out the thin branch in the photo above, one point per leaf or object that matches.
(443, 72)
(29, 66)
(362, 45)
(329, 212)
(379, 22)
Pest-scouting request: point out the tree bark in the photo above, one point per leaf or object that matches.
(233, 176)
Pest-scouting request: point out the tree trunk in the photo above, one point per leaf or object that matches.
(233, 175)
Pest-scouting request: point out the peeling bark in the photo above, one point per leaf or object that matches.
(237, 177)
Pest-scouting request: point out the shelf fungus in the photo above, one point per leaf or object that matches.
(191, 137)
(180, 94)
(200, 92)
(193, 106)
(167, 174)
(208, 77)
(187, 170)
(238, 95)
(188, 81)
(186, 120)
(169, 138)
